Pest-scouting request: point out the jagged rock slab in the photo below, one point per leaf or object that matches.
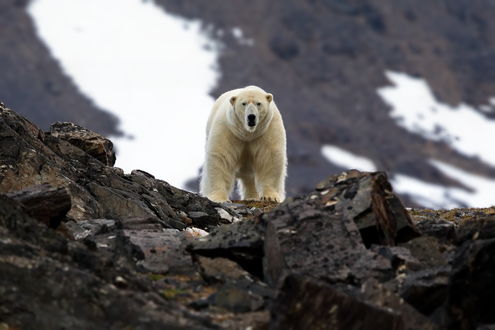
(429, 251)
(441, 229)
(45, 203)
(304, 303)
(379, 295)
(368, 200)
(307, 237)
(159, 251)
(219, 269)
(92, 143)
(482, 228)
(238, 292)
(426, 290)
(399, 257)
(241, 242)
(471, 287)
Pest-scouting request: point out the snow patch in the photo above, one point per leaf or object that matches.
(152, 70)
(483, 188)
(346, 159)
(415, 108)
(424, 193)
(430, 195)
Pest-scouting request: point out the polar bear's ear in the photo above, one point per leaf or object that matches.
(269, 97)
(232, 100)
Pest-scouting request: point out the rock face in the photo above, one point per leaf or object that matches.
(85, 246)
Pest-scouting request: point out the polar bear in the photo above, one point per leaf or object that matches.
(245, 140)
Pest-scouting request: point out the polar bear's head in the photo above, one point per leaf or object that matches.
(252, 108)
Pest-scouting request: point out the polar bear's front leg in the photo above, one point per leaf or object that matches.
(270, 169)
(217, 180)
(221, 161)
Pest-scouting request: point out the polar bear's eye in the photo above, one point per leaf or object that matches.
(258, 104)
(243, 104)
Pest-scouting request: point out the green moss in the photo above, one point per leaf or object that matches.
(156, 277)
(172, 293)
(455, 215)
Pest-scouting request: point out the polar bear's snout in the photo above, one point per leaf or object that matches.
(251, 120)
(251, 115)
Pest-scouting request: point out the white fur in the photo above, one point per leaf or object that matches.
(255, 155)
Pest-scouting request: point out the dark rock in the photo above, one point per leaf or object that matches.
(429, 251)
(89, 228)
(236, 300)
(398, 256)
(45, 203)
(204, 220)
(304, 303)
(426, 290)
(441, 229)
(241, 242)
(220, 269)
(377, 294)
(347, 213)
(299, 230)
(158, 251)
(471, 287)
(483, 228)
(368, 200)
(90, 142)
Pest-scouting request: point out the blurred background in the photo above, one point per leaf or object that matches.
(403, 86)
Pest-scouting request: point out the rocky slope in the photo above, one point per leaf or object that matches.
(83, 245)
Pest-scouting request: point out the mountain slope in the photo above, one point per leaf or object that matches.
(33, 82)
(325, 60)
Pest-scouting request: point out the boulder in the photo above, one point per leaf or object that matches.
(471, 287)
(327, 233)
(90, 142)
(304, 303)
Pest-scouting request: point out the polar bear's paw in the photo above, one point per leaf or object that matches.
(218, 197)
(271, 197)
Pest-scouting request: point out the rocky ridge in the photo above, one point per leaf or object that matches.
(84, 245)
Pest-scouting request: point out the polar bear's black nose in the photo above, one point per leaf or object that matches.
(251, 120)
